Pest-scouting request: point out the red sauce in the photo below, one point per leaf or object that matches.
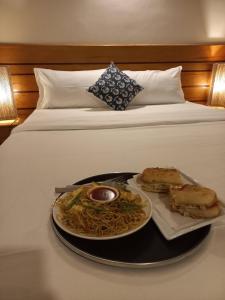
(102, 193)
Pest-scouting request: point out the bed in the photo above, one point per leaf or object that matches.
(60, 146)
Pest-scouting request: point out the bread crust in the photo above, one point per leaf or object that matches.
(189, 194)
(161, 175)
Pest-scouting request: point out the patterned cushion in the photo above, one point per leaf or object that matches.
(115, 88)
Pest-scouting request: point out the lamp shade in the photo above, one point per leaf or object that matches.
(217, 88)
(7, 106)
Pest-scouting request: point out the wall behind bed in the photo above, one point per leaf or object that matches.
(112, 21)
(197, 61)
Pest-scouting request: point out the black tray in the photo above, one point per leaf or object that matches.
(144, 248)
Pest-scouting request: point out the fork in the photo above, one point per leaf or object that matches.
(70, 188)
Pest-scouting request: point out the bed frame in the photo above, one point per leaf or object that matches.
(197, 61)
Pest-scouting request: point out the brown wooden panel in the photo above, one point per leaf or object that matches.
(195, 78)
(24, 113)
(28, 69)
(26, 100)
(4, 132)
(20, 54)
(26, 83)
(196, 94)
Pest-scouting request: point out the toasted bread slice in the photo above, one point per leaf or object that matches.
(189, 194)
(194, 201)
(159, 179)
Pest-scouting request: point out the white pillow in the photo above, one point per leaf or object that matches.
(160, 87)
(62, 89)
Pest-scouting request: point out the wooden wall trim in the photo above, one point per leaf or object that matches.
(22, 69)
(29, 54)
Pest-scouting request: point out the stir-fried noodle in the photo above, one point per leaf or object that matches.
(84, 216)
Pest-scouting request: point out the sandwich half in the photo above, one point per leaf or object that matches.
(159, 180)
(194, 201)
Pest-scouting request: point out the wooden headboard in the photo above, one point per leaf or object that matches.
(197, 61)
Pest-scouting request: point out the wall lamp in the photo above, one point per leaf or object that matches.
(8, 110)
(217, 88)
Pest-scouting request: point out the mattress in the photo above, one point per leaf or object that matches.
(55, 147)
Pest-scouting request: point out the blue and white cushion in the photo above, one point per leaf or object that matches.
(115, 88)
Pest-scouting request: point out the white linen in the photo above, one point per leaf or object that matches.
(87, 118)
(160, 87)
(66, 88)
(35, 265)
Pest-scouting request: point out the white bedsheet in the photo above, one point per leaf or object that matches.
(33, 160)
(94, 118)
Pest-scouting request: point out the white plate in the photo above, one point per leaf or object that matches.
(147, 208)
(172, 224)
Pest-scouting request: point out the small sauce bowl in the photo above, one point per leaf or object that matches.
(103, 193)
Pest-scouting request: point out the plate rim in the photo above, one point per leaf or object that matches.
(146, 199)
